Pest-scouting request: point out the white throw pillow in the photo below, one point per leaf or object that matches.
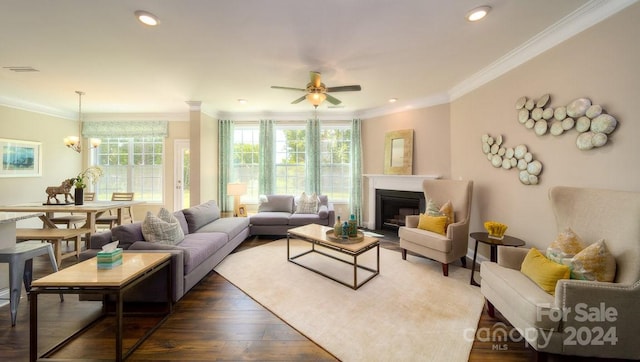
(307, 204)
(164, 228)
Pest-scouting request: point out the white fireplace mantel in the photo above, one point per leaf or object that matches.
(391, 182)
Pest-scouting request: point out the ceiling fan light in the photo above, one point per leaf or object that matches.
(146, 18)
(316, 98)
(478, 13)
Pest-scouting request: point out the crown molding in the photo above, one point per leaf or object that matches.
(579, 20)
(37, 108)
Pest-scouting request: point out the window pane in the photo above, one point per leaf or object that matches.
(246, 159)
(131, 164)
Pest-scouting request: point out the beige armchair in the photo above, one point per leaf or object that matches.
(584, 318)
(443, 248)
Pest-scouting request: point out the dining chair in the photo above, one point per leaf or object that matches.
(71, 220)
(111, 219)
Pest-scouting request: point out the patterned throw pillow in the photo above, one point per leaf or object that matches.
(307, 204)
(433, 209)
(164, 228)
(566, 245)
(447, 210)
(594, 262)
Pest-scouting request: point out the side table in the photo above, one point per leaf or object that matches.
(20, 259)
(483, 237)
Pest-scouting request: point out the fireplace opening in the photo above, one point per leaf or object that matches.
(392, 206)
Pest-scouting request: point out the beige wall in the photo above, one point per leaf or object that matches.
(431, 142)
(600, 64)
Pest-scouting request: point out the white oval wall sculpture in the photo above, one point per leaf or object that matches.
(517, 158)
(580, 114)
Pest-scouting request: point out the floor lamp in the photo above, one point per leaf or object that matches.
(236, 190)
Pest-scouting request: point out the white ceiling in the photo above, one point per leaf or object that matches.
(420, 51)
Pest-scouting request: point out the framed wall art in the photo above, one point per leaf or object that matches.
(20, 158)
(398, 152)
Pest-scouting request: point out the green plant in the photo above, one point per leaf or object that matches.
(92, 174)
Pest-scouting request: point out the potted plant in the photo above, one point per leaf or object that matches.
(89, 175)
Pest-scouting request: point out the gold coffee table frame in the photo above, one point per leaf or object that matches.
(86, 278)
(316, 236)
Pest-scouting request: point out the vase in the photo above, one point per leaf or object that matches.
(79, 196)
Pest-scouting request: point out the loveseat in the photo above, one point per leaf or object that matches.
(279, 213)
(583, 317)
(208, 239)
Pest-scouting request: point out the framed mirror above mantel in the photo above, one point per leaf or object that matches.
(398, 152)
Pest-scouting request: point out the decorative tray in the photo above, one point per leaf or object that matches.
(350, 240)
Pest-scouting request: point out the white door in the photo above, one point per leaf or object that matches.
(181, 198)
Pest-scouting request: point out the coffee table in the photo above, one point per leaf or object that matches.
(85, 278)
(316, 236)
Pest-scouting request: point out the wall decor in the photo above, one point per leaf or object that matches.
(593, 125)
(518, 158)
(20, 158)
(398, 152)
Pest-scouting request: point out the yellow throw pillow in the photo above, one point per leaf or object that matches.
(595, 262)
(447, 210)
(436, 224)
(543, 271)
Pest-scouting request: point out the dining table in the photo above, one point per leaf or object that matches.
(92, 210)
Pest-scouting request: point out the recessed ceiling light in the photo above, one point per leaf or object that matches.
(478, 13)
(242, 101)
(393, 100)
(146, 18)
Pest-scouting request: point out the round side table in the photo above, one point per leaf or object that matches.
(483, 237)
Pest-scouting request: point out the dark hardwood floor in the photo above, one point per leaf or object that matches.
(214, 321)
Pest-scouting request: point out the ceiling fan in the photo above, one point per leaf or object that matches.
(317, 92)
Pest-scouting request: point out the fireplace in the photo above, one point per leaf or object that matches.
(392, 206)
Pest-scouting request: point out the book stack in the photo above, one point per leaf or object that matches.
(109, 259)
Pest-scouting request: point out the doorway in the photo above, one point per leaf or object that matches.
(181, 199)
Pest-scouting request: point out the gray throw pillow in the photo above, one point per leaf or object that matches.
(164, 228)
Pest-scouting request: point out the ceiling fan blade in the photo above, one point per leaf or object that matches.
(288, 88)
(299, 100)
(315, 79)
(333, 100)
(344, 88)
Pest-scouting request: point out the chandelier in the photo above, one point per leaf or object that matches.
(73, 142)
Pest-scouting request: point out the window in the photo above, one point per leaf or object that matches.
(131, 164)
(290, 156)
(246, 158)
(335, 161)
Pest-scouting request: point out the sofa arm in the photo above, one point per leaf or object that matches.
(100, 239)
(331, 214)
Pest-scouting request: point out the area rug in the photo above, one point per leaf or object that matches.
(410, 311)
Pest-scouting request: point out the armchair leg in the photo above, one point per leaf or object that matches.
(404, 254)
(463, 259)
(445, 269)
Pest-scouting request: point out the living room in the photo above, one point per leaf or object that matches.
(598, 63)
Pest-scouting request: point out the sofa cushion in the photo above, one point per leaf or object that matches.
(182, 220)
(304, 219)
(277, 203)
(200, 246)
(232, 226)
(543, 271)
(270, 218)
(198, 216)
(164, 228)
(127, 234)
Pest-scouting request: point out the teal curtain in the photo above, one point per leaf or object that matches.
(124, 129)
(355, 198)
(225, 154)
(267, 164)
(312, 156)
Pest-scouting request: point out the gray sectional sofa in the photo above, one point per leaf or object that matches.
(278, 213)
(208, 239)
